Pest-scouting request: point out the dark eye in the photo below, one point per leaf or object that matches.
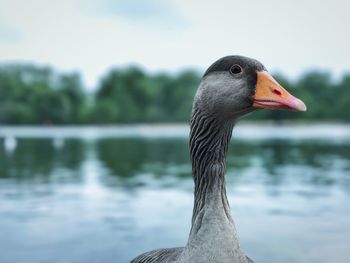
(236, 69)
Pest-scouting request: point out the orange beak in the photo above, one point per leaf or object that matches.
(269, 94)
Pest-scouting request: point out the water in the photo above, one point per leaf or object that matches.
(106, 195)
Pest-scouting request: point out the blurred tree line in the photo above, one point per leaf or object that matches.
(38, 95)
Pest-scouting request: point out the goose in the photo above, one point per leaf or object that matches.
(231, 87)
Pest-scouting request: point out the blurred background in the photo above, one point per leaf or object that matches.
(95, 100)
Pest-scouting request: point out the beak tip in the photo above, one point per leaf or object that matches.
(300, 106)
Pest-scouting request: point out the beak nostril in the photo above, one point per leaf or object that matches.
(277, 92)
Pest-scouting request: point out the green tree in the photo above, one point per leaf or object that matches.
(71, 88)
(129, 91)
(37, 95)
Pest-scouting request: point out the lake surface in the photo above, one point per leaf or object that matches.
(108, 194)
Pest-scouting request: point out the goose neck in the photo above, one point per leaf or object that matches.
(209, 140)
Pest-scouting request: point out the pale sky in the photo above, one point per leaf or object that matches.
(92, 36)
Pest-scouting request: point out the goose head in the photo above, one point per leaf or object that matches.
(235, 85)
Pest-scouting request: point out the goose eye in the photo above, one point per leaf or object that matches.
(236, 69)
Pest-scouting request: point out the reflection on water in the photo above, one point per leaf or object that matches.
(108, 199)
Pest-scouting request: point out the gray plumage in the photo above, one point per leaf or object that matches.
(221, 99)
(159, 255)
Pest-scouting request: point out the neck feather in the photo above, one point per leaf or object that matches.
(209, 139)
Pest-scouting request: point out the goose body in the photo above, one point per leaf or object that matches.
(232, 87)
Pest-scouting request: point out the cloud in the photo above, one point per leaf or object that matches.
(145, 13)
(9, 34)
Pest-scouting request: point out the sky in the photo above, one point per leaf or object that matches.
(92, 36)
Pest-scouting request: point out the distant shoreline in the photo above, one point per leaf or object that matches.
(245, 130)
